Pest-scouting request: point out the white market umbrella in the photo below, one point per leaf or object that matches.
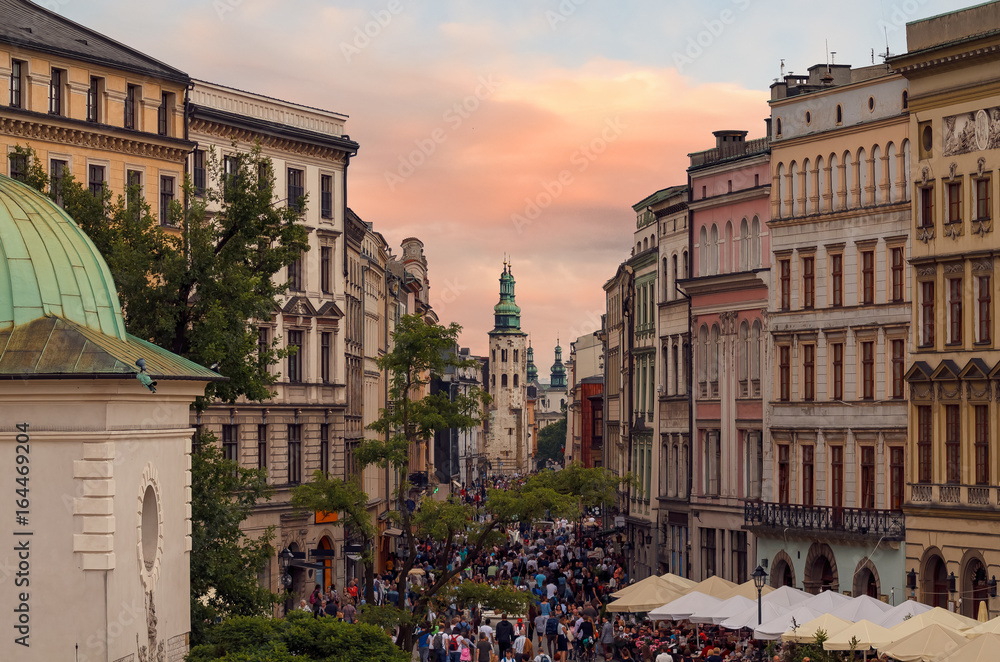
(786, 596)
(776, 627)
(806, 632)
(684, 606)
(989, 627)
(725, 609)
(748, 618)
(931, 643)
(825, 602)
(862, 608)
(865, 633)
(980, 649)
(902, 612)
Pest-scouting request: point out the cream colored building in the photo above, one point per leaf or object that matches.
(304, 426)
(952, 67)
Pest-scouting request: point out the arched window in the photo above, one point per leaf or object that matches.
(675, 470)
(673, 281)
(685, 367)
(782, 192)
(849, 180)
(822, 185)
(666, 281)
(891, 155)
(840, 114)
(834, 183)
(674, 366)
(755, 243)
(713, 358)
(729, 250)
(755, 350)
(516, 380)
(743, 353)
(807, 188)
(864, 199)
(493, 381)
(503, 381)
(713, 250)
(796, 189)
(703, 354)
(687, 271)
(906, 99)
(777, 128)
(645, 244)
(744, 245)
(703, 252)
(879, 176)
(906, 169)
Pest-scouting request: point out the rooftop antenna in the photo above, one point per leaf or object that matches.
(873, 56)
(782, 67)
(833, 57)
(826, 45)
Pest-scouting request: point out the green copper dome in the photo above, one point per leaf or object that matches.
(507, 314)
(532, 369)
(558, 375)
(49, 267)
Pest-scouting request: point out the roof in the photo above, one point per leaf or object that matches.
(662, 194)
(48, 266)
(31, 26)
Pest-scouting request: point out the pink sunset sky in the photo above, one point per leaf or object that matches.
(521, 128)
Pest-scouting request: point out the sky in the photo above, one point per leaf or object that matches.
(517, 128)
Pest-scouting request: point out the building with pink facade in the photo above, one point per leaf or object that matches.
(730, 206)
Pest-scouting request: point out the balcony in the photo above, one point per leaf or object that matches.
(953, 494)
(847, 524)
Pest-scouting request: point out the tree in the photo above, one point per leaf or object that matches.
(551, 442)
(298, 636)
(420, 352)
(225, 561)
(183, 290)
(333, 495)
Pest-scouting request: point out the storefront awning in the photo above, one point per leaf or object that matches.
(392, 532)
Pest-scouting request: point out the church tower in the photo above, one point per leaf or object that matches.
(507, 443)
(532, 369)
(557, 378)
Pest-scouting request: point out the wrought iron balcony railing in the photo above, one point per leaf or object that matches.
(850, 522)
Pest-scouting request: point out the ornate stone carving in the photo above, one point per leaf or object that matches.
(925, 174)
(984, 264)
(953, 230)
(949, 390)
(953, 170)
(727, 321)
(980, 228)
(925, 272)
(980, 165)
(925, 234)
(978, 390)
(954, 268)
(29, 129)
(156, 651)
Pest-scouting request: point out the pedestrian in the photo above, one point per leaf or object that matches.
(349, 612)
(505, 633)
(484, 648)
(424, 641)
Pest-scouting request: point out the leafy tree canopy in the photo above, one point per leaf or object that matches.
(551, 440)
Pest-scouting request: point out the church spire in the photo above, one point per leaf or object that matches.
(506, 313)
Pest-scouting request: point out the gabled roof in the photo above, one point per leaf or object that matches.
(329, 309)
(975, 369)
(920, 371)
(947, 371)
(31, 26)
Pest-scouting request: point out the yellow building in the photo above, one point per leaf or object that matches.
(90, 107)
(952, 521)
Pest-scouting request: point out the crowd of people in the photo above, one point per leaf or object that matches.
(569, 573)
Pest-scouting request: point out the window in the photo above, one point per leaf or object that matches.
(837, 279)
(295, 275)
(230, 171)
(924, 432)
(755, 463)
(324, 356)
(294, 454)
(230, 443)
(840, 114)
(163, 113)
(166, 199)
(58, 170)
(296, 189)
(954, 310)
(838, 370)
(897, 477)
(984, 311)
(808, 282)
(325, 268)
(868, 276)
(131, 100)
(263, 343)
(94, 99)
(16, 84)
(18, 166)
(198, 171)
(503, 380)
(326, 196)
(837, 476)
(926, 207)
(516, 380)
(739, 546)
(783, 474)
(785, 292)
(56, 83)
(808, 474)
(927, 314)
(708, 552)
(324, 448)
(95, 180)
(867, 476)
(952, 445)
(784, 373)
(982, 199)
(809, 372)
(713, 462)
(954, 192)
(295, 356)
(982, 413)
(868, 370)
(262, 446)
(503, 355)
(898, 368)
(897, 273)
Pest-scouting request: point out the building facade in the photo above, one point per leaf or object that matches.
(954, 100)
(585, 402)
(830, 515)
(730, 206)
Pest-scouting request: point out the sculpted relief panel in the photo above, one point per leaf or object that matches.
(971, 132)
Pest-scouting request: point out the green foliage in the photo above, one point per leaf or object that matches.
(184, 290)
(501, 599)
(297, 637)
(551, 441)
(224, 560)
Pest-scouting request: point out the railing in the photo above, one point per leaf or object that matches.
(853, 521)
(951, 493)
(921, 493)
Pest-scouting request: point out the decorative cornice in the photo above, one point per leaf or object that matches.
(230, 133)
(36, 130)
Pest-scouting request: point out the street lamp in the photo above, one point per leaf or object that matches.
(284, 559)
(759, 579)
(911, 581)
